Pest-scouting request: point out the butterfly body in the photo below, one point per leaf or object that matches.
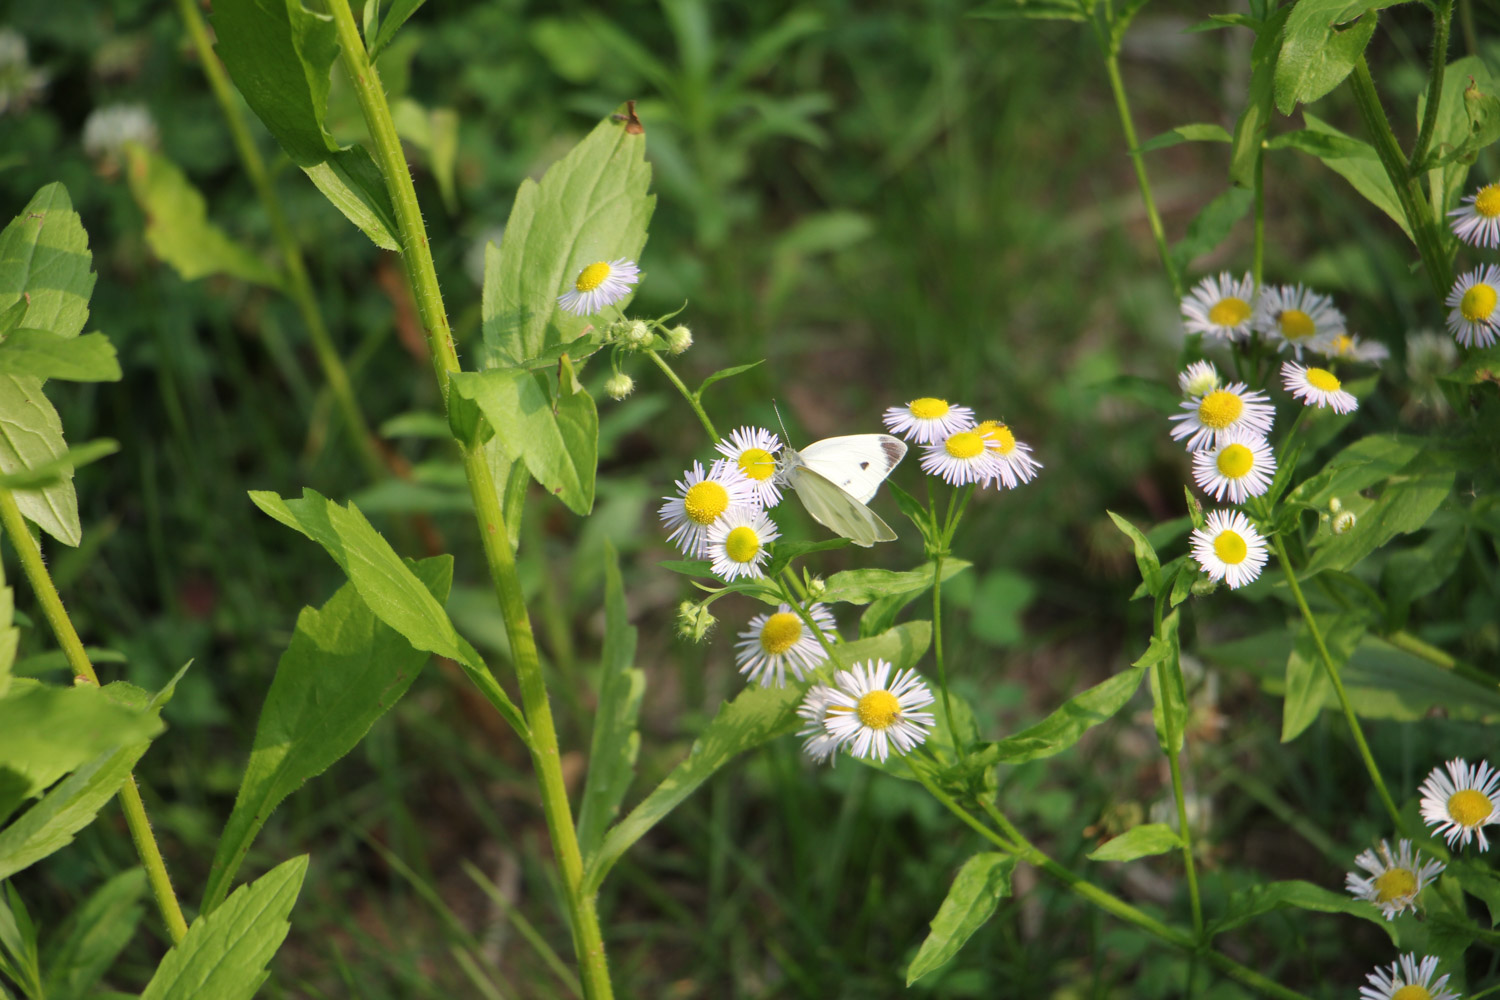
(835, 478)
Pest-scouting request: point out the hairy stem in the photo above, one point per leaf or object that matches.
(692, 400)
(1442, 20)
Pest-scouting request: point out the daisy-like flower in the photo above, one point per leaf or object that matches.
(1317, 387)
(737, 541)
(1200, 378)
(928, 420)
(1408, 979)
(1474, 307)
(602, 283)
(1477, 220)
(1461, 803)
(1229, 548)
(817, 743)
(1016, 466)
(1220, 307)
(967, 456)
(781, 640)
(1347, 347)
(1233, 408)
(1394, 880)
(1296, 316)
(869, 716)
(701, 500)
(754, 450)
(1240, 466)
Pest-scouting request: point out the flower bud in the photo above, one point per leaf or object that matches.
(1343, 521)
(816, 588)
(1335, 505)
(679, 339)
(637, 334)
(619, 385)
(694, 621)
(616, 331)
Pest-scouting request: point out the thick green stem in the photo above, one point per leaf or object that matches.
(1174, 765)
(1127, 124)
(588, 942)
(692, 400)
(136, 820)
(1338, 684)
(1441, 22)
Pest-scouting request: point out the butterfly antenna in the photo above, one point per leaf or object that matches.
(785, 437)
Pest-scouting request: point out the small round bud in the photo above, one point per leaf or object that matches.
(1343, 521)
(619, 385)
(679, 339)
(637, 333)
(1335, 505)
(616, 331)
(816, 587)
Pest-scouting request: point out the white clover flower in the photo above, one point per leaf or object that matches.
(1220, 307)
(701, 500)
(601, 284)
(928, 420)
(780, 641)
(736, 543)
(964, 457)
(1232, 408)
(1394, 881)
(1474, 307)
(1407, 980)
(1477, 220)
(1460, 804)
(108, 128)
(869, 717)
(1240, 465)
(817, 743)
(1317, 387)
(1198, 379)
(1347, 347)
(753, 450)
(1229, 548)
(1294, 316)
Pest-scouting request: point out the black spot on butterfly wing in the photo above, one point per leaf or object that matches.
(864, 465)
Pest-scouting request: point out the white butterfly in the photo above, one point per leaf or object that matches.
(835, 478)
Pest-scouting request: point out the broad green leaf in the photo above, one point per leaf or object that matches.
(1480, 881)
(52, 471)
(1247, 904)
(1367, 176)
(1251, 126)
(178, 229)
(30, 438)
(1404, 506)
(90, 358)
(616, 740)
(558, 440)
(391, 23)
(1211, 226)
(1169, 710)
(1198, 132)
(1065, 726)
(10, 636)
(1145, 555)
(1454, 140)
(1364, 463)
(11, 316)
(45, 261)
(1138, 842)
(1322, 41)
(1307, 683)
(590, 206)
(977, 889)
(225, 953)
(861, 586)
(85, 947)
(343, 670)
(902, 647)
(280, 55)
(49, 825)
(1324, 145)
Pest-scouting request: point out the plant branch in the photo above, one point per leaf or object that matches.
(692, 400)
(1441, 22)
(1127, 125)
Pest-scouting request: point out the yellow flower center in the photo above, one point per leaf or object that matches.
(1412, 992)
(1229, 312)
(1322, 379)
(878, 709)
(757, 463)
(592, 277)
(1296, 324)
(1487, 203)
(705, 501)
(742, 544)
(1236, 460)
(1219, 409)
(965, 444)
(780, 632)
(928, 408)
(1000, 434)
(1230, 548)
(1398, 883)
(1469, 807)
(1478, 303)
(1343, 344)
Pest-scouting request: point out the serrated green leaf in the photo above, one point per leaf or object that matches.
(1366, 176)
(90, 358)
(85, 947)
(49, 826)
(1307, 683)
(977, 889)
(49, 472)
(30, 438)
(394, 18)
(343, 669)
(1247, 904)
(1322, 41)
(1142, 841)
(616, 740)
(1211, 226)
(1066, 726)
(861, 586)
(590, 206)
(45, 262)
(1196, 132)
(225, 953)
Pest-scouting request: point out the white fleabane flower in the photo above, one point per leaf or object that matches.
(1317, 387)
(1240, 465)
(701, 500)
(1408, 979)
(1460, 804)
(1294, 316)
(1199, 378)
(602, 283)
(1477, 220)
(780, 641)
(1347, 347)
(1394, 880)
(754, 450)
(928, 420)
(869, 716)
(1232, 408)
(962, 458)
(1015, 464)
(736, 543)
(817, 742)
(1220, 307)
(1474, 307)
(1229, 548)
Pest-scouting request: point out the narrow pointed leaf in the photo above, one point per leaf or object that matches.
(49, 826)
(977, 889)
(1069, 722)
(90, 358)
(1138, 842)
(1307, 683)
(87, 945)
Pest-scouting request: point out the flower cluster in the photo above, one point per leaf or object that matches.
(1474, 303)
(960, 450)
(1290, 316)
(720, 515)
(866, 712)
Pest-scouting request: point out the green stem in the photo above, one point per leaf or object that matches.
(1441, 22)
(692, 400)
(1338, 684)
(1258, 261)
(299, 286)
(30, 555)
(588, 942)
(1174, 765)
(1117, 85)
(937, 650)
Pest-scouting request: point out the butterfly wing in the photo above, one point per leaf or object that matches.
(836, 510)
(855, 463)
